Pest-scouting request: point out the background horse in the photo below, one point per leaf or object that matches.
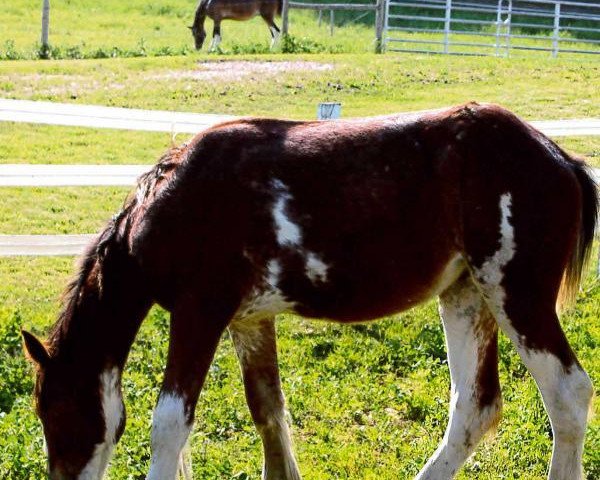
(348, 221)
(233, 10)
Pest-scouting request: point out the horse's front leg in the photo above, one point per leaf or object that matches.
(255, 343)
(216, 40)
(196, 328)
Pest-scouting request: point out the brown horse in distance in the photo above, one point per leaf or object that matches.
(219, 10)
(349, 221)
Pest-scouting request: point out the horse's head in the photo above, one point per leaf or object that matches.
(82, 415)
(199, 35)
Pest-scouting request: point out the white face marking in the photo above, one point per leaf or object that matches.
(170, 430)
(288, 233)
(491, 273)
(112, 409)
(316, 269)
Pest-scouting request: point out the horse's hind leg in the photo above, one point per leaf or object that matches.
(256, 348)
(273, 28)
(520, 282)
(475, 403)
(529, 319)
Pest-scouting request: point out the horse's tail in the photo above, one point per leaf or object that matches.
(279, 7)
(585, 237)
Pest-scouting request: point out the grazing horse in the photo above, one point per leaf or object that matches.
(233, 10)
(346, 220)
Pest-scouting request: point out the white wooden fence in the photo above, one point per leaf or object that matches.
(25, 175)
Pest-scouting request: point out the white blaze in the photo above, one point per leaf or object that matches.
(112, 410)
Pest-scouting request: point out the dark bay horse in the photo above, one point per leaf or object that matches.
(219, 10)
(344, 220)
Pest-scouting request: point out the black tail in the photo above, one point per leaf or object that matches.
(589, 218)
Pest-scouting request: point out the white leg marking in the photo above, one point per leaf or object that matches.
(255, 346)
(170, 430)
(112, 409)
(567, 394)
(280, 463)
(288, 233)
(316, 269)
(214, 45)
(469, 329)
(275, 35)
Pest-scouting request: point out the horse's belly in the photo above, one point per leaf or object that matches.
(359, 298)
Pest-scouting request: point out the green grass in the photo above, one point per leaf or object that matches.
(112, 28)
(367, 401)
(85, 28)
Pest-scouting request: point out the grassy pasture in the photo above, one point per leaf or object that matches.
(367, 401)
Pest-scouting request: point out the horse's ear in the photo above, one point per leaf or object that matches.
(191, 28)
(35, 349)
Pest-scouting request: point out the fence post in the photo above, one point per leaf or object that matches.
(331, 22)
(508, 27)
(447, 25)
(379, 22)
(285, 8)
(45, 28)
(556, 31)
(498, 26)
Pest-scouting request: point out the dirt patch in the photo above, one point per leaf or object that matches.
(238, 70)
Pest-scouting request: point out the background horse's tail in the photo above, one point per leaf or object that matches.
(585, 237)
(279, 7)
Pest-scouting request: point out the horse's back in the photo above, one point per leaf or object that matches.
(350, 219)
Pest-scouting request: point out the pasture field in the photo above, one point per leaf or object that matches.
(136, 28)
(367, 401)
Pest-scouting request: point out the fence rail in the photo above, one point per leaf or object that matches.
(67, 114)
(445, 26)
(21, 175)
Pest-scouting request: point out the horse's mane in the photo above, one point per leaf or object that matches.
(113, 237)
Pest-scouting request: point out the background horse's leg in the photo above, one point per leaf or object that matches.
(196, 328)
(255, 344)
(273, 28)
(214, 46)
(475, 403)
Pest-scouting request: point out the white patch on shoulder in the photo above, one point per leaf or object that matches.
(288, 233)
(316, 269)
(170, 430)
(112, 409)
(491, 273)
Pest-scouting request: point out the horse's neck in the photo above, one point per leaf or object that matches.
(102, 320)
